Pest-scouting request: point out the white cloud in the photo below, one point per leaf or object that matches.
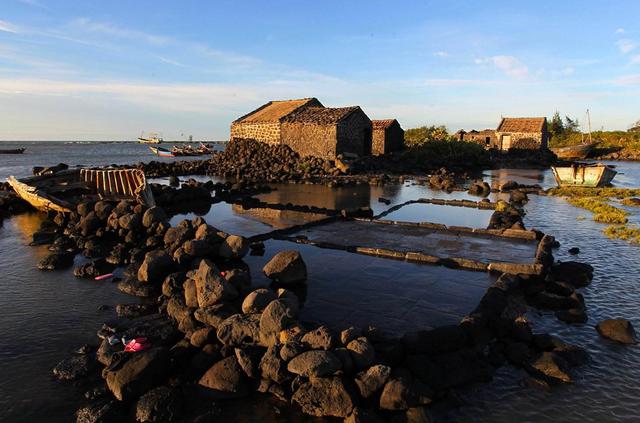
(441, 54)
(116, 31)
(628, 80)
(625, 45)
(568, 71)
(510, 66)
(8, 27)
(620, 31)
(635, 60)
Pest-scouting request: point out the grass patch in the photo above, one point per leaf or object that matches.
(602, 212)
(629, 233)
(604, 193)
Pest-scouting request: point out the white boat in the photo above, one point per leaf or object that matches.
(153, 138)
(584, 175)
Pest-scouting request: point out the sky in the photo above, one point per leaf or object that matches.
(107, 70)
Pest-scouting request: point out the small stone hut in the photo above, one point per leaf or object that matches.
(388, 136)
(307, 127)
(522, 133)
(486, 138)
(327, 131)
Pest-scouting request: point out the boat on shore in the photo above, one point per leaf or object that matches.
(584, 175)
(64, 190)
(574, 152)
(12, 151)
(151, 139)
(161, 152)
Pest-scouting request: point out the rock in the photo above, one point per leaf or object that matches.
(101, 412)
(272, 367)
(136, 288)
(572, 354)
(73, 368)
(548, 301)
(257, 300)
(239, 330)
(154, 215)
(275, 317)
(190, 293)
(324, 397)
(290, 350)
(372, 380)
(234, 247)
(212, 288)
(363, 415)
(202, 336)
(173, 284)
(402, 392)
(155, 267)
(573, 315)
(349, 334)
(574, 250)
(92, 269)
(362, 352)
(577, 274)
(315, 363)
(319, 339)
(209, 234)
(249, 360)
(161, 404)
(174, 181)
(517, 353)
(177, 235)
(286, 267)
(551, 367)
(293, 333)
(509, 185)
(225, 379)
(138, 374)
(89, 224)
(132, 311)
(56, 261)
(619, 330)
(131, 222)
(344, 355)
(213, 315)
(197, 248)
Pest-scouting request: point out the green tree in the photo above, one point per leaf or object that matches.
(423, 134)
(557, 126)
(571, 125)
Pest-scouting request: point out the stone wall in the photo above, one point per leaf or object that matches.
(487, 139)
(387, 140)
(268, 132)
(523, 140)
(308, 139)
(355, 134)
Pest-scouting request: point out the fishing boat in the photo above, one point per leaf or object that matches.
(12, 151)
(151, 139)
(584, 175)
(574, 152)
(161, 152)
(63, 190)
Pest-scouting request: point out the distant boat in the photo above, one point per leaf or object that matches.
(63, 190)
(161, 152)
(151, 139)
(584, 175)
(574, 152)
(12, 151)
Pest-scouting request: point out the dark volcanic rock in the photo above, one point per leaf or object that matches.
(101, 412)
(619, 330)
(551, 367)
(321, 338)
(225, 379)
(139, 373)
(324, 397)
(155, 267)
(257, 300)
(239, 330)
(234, 247)
(161, 404)
(56, 261)
(372, 380)
(286, 267)
(316, 363)
(211, 287)
(74, 367)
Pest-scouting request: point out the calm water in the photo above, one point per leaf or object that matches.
(46, 315)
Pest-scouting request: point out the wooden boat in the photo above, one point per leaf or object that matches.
(151, 139)
(574, 152)
(63, 190)
(161, 152)
(584, 175)
(12, 151)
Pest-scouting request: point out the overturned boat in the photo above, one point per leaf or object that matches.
(63, 190)
(574, 152)
(584, 175)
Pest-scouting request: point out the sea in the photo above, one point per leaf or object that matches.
(45, 316)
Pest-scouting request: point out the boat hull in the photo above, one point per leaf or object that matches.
(580, 151)
(583, 176)
(12, 151)
(161, 152)
(149, 140)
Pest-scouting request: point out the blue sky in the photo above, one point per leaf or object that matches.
(100, 70)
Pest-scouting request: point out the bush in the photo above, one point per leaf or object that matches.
(433, 154)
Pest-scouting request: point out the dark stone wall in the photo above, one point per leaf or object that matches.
(310, 139)
(268, 132)
(387, 140)
(355, 134)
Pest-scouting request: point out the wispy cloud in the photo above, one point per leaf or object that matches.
(620, 31)
(626, 45)
(452, 82)
(107, 28)
(510, 66)
(8, 27)
(628, 80)
(635, 60)
(569, 70)
(34, 3)
(441, 54)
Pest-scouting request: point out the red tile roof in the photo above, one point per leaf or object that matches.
(382, 124)
(521, 124)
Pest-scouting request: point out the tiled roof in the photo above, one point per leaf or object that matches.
(521, 125)
(321, 115)
(273, 111)
(382, 124)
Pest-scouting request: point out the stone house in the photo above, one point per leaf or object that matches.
(388, 136)
(522, 133)
(327, 131)
(487, 138)
(307, 127)
(265, 123)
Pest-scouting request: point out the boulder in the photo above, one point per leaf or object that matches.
(291, 349)
(213, 315)
(362, 352)
(173, 284)
(240, 279)
(316, 363)
(155, 267)
(551, 367)
(74, 367)
(372, 380)
(286, 267)
(234, 247)
(89, 224)
(577, 274)
(130, 222)
(138, 374)
(190, 293)
(154, 215)
(101, 412)
(619, 330)
(257, 300)
(202, 337)
(159, 405)
(363, 415)
(324, 397)
(136, 288)
(133, 311)
(321, 338)
(212, 288)
(197, 248)
(56, 261)
(225, 379)
(239, 330)
(249, 359)
(272, 367)
(349, 334)
(275, 317)
(402, 392)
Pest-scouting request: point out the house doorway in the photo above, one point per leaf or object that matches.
(366, 142)
(506, 142)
